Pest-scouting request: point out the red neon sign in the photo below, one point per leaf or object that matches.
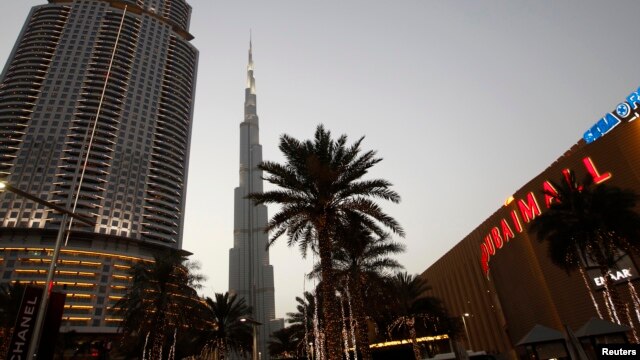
(527, 209)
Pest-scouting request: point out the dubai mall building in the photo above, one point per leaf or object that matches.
(501, 281)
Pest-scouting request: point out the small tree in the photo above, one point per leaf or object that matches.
(161, 300)
(412, 309)
(226, 332)
(301, 322)
(284, 344)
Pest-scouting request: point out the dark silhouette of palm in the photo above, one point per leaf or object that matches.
(162, 298)
(320, 184)
(412, 309)
(588, 224)
(226, 332)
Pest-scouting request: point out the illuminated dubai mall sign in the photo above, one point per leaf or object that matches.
(625, 112)
(523, 212)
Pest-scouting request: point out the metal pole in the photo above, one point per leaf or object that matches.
(37, 331)
(467, 331)
(255, 341)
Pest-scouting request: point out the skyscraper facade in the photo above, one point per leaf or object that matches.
(250, 274)
(96, 103)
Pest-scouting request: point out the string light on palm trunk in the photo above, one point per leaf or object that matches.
(635, 303)
(307, 344)
(319, 353)
(613, 314)
(144, 349)
(633, 328)
(593, 299)
(352, 323)
(172, 351)
(345, 335)
(634, 299)
(317, 334)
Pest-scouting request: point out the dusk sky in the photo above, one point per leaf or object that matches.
(465, 100)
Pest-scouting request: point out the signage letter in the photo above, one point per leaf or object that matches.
(516, 221)
(530, 209)
(497, 238)
(550, 193)
(633, 99)
(506, 230)
(610, 122)
(591, 168)
(589, 137)
(490, 246)
(484, 258)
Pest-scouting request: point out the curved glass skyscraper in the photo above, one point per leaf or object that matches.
(96, 103)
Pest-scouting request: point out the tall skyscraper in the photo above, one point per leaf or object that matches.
(250, 274)
(96, 103)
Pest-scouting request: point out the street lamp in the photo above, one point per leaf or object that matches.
(254, 325)
(466, 331)
(37, 329)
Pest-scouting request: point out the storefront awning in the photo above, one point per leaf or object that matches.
(540, 334)
(596, 326)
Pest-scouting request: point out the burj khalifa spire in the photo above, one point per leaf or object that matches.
(250, 274)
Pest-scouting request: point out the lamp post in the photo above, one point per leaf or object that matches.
(254, 325)
(37, 329)
(466, 330)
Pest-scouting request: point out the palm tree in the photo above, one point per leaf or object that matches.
(162, 298)
(361, 264)
(226, 331)
(284, 344)
(411, 309)
(301, 322)
(320, 184)
(588, 223)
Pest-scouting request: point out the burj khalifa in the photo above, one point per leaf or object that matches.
(250, 274)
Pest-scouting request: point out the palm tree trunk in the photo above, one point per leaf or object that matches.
(362, 333)
(618, 304)
(414, 339)
(157, 334)
(330, 313)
